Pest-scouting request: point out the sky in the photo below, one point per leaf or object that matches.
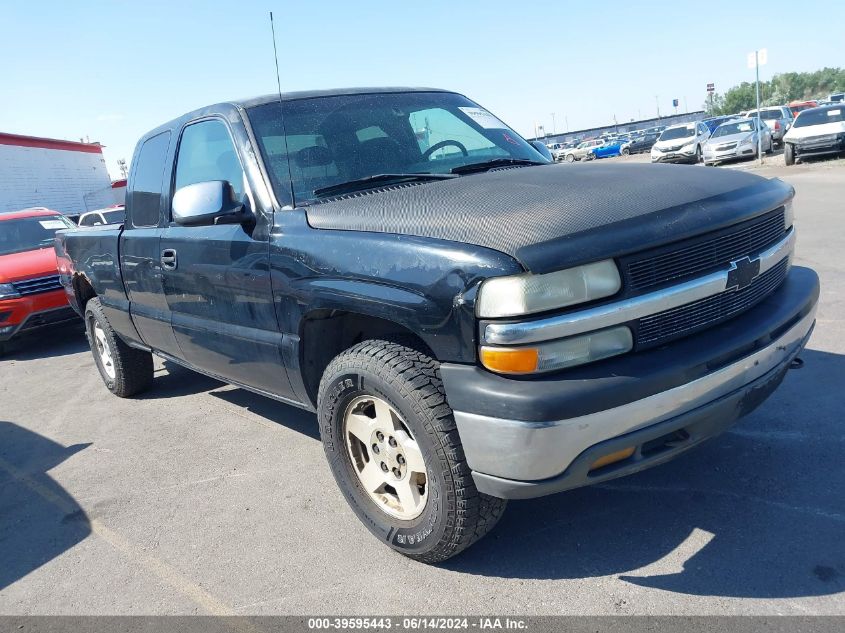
(109, 70)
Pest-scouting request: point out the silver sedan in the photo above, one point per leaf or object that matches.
(737, 139)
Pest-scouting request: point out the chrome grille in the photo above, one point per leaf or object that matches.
(701, 255)
(662, 327)
(38, 285)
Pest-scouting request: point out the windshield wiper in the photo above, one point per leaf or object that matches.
(493, 163)
(375, 180)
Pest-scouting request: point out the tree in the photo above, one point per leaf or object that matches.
(783, 88)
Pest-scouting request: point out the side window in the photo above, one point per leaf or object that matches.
(206, 152)
(88, 220)
(146, 184)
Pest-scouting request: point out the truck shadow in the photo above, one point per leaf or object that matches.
(39, 520)
(174, 381)
(758, 512)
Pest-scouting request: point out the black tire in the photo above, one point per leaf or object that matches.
(625, 151)
(132, 368)
(788, 154)
(698, 155)
(455, 515)
(570, 158)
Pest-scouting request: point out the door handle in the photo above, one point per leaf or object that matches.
(168, 259)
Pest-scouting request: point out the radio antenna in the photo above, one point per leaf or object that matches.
(276, 58)
(281, 103)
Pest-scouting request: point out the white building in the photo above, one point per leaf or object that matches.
(61, 175)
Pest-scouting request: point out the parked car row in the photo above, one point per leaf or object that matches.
(721, 139)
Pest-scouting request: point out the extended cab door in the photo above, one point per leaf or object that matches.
(140, 256)
(217, 277)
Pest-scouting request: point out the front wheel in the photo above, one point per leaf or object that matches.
(124, 370)
(698, 157)
(570, 158)
(625, 151)
(788, 154)
(393, 447)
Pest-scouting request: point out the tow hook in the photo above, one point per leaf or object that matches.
(796, 363)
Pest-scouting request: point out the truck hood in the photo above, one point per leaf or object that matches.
(552, 216)
(796, 134)
(38, 263)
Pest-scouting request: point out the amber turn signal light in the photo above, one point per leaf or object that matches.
(612, 458)
(510, 360)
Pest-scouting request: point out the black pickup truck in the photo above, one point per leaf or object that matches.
(470, 322)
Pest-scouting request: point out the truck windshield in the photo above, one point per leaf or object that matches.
(340, 139)
(820, 117)
(29, 234)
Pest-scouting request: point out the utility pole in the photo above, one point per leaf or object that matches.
(554, 127)
(657, 105)
(566, 121)
(755, 59)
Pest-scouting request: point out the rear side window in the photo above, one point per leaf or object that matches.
(146, 185)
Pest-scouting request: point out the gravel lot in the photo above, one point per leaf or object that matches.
(203, 498)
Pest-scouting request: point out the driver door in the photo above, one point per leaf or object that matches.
(217, 278)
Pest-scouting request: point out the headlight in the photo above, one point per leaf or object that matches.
(526, 294)
(7, 291)
(560, 354)
(788, 215)
(689, 147)
(748, 140)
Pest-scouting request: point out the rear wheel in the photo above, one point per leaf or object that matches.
(393, 447)
(788, 154)
(124, 370)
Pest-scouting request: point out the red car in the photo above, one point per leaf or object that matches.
(798, 106)
(31, 294)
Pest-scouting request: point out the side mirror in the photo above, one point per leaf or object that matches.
(540, 147)
(207, 203)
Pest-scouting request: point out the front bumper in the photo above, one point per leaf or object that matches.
(809, 149)
(735, 153)
(660, 402)
(31, 312)
(673, 157)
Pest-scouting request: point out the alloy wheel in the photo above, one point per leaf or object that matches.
(386, 457)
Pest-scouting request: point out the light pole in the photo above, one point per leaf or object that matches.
(755, 60)
(657, 105)
(554, 127)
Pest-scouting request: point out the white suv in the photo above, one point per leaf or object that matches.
(680, 144)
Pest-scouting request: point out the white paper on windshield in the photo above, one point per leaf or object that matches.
(484, 118)
(52, 224)
(834, 112)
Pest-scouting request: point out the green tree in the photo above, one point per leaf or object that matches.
(783, 88)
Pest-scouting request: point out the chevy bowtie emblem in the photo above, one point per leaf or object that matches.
(742, 273)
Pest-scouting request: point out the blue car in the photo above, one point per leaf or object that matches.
(609, 149)
(716, 121)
